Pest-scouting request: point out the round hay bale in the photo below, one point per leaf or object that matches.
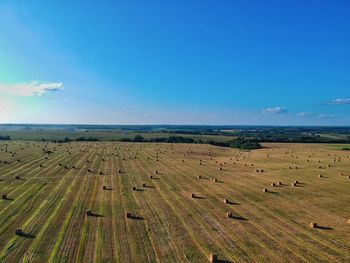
(320, 175)
(18, 232)
(215, 180)
(264, 190)
(226, 201)
(228, 214)
(134, 188)
(88, 212)
(279, 183)
(104, 187)
(150, 177)
(313, 225)
(213, 258)
(199, 177)
(127, 215)
(4, 197)
(193, 195)
(294, 184)
(144, 185)
(273, 184)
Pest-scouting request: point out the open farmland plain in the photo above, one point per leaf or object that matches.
(143, 202)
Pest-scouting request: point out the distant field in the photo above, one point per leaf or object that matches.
(49, 200)
(334, 136)
(339, 146)
(101, 135)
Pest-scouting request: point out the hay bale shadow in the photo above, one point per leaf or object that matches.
(8, 199)
(136, 217)
(199, 197)
(232, 203)
(20, 178)
(93, 214)
(237, 217)
(324, 227)
(25, 235)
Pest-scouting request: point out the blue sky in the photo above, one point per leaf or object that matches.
(175, 62)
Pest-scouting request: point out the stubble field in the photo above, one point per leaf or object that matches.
(174, 195)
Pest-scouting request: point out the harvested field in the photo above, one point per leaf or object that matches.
(97, 202)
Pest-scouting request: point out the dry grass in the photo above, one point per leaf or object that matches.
(52, 203)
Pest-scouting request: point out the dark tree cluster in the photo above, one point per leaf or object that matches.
(5, 138)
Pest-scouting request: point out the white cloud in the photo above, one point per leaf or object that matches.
(305, 114)
(275, 110)
(320, 116)
(31, 88)
(325, 116)
(338, 102)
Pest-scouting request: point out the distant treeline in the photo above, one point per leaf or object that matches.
(292, 137)
(170, 139)
(240, 143)
(5, 138)
(79, 139)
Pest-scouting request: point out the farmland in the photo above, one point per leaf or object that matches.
(151, 202)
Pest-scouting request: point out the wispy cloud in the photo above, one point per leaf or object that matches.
(274, 110)
(31, 88)
(325, 116)
(305, 114)
(320, 116)
(340, 101)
